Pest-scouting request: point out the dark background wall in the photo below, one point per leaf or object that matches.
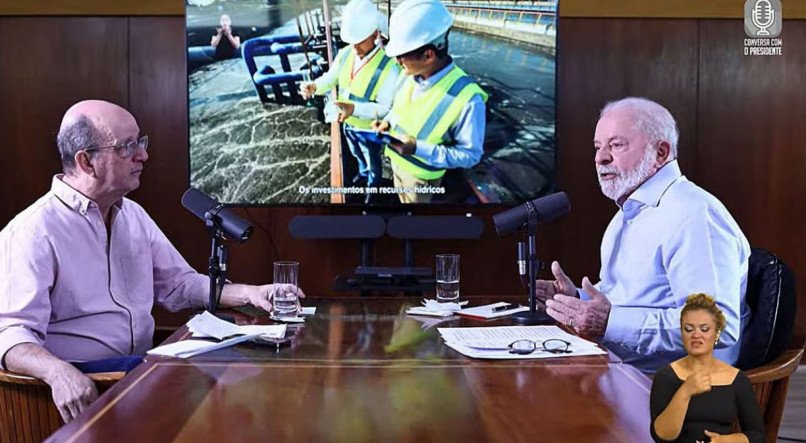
(741, 123)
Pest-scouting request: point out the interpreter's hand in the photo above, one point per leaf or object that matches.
(219, 30)
(307, 90)
(588, 318)
(380, 125)
(545, 289)
(697, 383)
(72, 391)
(345, 110)
(716, 438)
(408, 147)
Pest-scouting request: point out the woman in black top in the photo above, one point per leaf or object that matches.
(698, 398)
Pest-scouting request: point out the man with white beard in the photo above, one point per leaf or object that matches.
(669, 239)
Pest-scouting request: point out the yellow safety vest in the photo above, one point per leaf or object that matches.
(429, 116)
(364, 86)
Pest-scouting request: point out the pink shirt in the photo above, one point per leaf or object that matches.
(65, 287)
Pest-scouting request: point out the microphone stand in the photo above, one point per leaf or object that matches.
(533, 316)
(217, 264)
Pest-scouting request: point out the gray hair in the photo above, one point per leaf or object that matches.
(78, 135)
(652, 119)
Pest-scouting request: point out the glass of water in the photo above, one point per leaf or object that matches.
(286, 302)
(448, 278)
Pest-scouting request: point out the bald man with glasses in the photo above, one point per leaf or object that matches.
(81, 268)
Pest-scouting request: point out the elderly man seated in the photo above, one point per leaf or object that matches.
(81, 268)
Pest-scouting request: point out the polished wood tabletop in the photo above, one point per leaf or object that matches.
(360, 370)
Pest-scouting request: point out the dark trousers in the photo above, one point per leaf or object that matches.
(115, 364)
(368, 155)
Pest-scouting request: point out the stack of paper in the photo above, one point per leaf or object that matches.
(486, 312)
(210, 326)
(493, 342)
(189, 348)
(433, 308)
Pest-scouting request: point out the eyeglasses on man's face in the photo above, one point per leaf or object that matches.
(126, 149)
(553, 345)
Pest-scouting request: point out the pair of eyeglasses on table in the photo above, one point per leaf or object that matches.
(553, 345)
(526, 346)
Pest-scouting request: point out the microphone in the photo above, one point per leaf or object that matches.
(223, 218)
(762, 16)
(540, 210)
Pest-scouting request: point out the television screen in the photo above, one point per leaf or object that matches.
(256, 138)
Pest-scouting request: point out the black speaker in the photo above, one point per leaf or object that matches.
(312, 227)
(434, 227)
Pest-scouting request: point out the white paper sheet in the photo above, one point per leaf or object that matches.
(486, 311)
(189, 348)
(308, 310)
(492, 342)
(208, 325)
(423, 311)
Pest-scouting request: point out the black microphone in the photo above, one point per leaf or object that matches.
(204, 207)
(540, 210)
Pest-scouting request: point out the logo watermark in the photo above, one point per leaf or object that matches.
(762, 24)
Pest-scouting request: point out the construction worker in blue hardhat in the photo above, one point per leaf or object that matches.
(438, 114)
(367, 81)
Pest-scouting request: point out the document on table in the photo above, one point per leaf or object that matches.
(493, 342)
(189, 348)
(432, 308)
(487, 312)
(208, 325)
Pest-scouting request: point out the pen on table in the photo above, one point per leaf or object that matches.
(506, 307)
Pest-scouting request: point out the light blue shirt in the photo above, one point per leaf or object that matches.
(670, 239)
(464, 143)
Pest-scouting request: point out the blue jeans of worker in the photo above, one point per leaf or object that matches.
(368, 155)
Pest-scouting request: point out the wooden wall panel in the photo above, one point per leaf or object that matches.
(159, 102)
(46, 65)
(753, 138)
(665, 9)
(92, 7)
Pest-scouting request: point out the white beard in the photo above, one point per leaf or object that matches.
(626, 182)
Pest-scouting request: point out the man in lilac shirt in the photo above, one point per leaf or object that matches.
(81, 268)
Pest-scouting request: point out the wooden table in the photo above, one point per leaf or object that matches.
(360, 370)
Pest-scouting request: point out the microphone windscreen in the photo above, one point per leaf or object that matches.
(552, 207)
(546, 209)
(510, 220)
(228, 221)
(197, 202)
(236, 227)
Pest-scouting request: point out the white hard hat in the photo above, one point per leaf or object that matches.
(416, 23)
(356, 24)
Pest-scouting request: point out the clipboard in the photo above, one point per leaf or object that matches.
(383, 138)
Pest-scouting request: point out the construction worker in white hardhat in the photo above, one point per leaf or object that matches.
(367, 80)
(439, 112)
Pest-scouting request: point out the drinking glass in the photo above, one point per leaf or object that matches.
(448, 278)
(286, 301)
